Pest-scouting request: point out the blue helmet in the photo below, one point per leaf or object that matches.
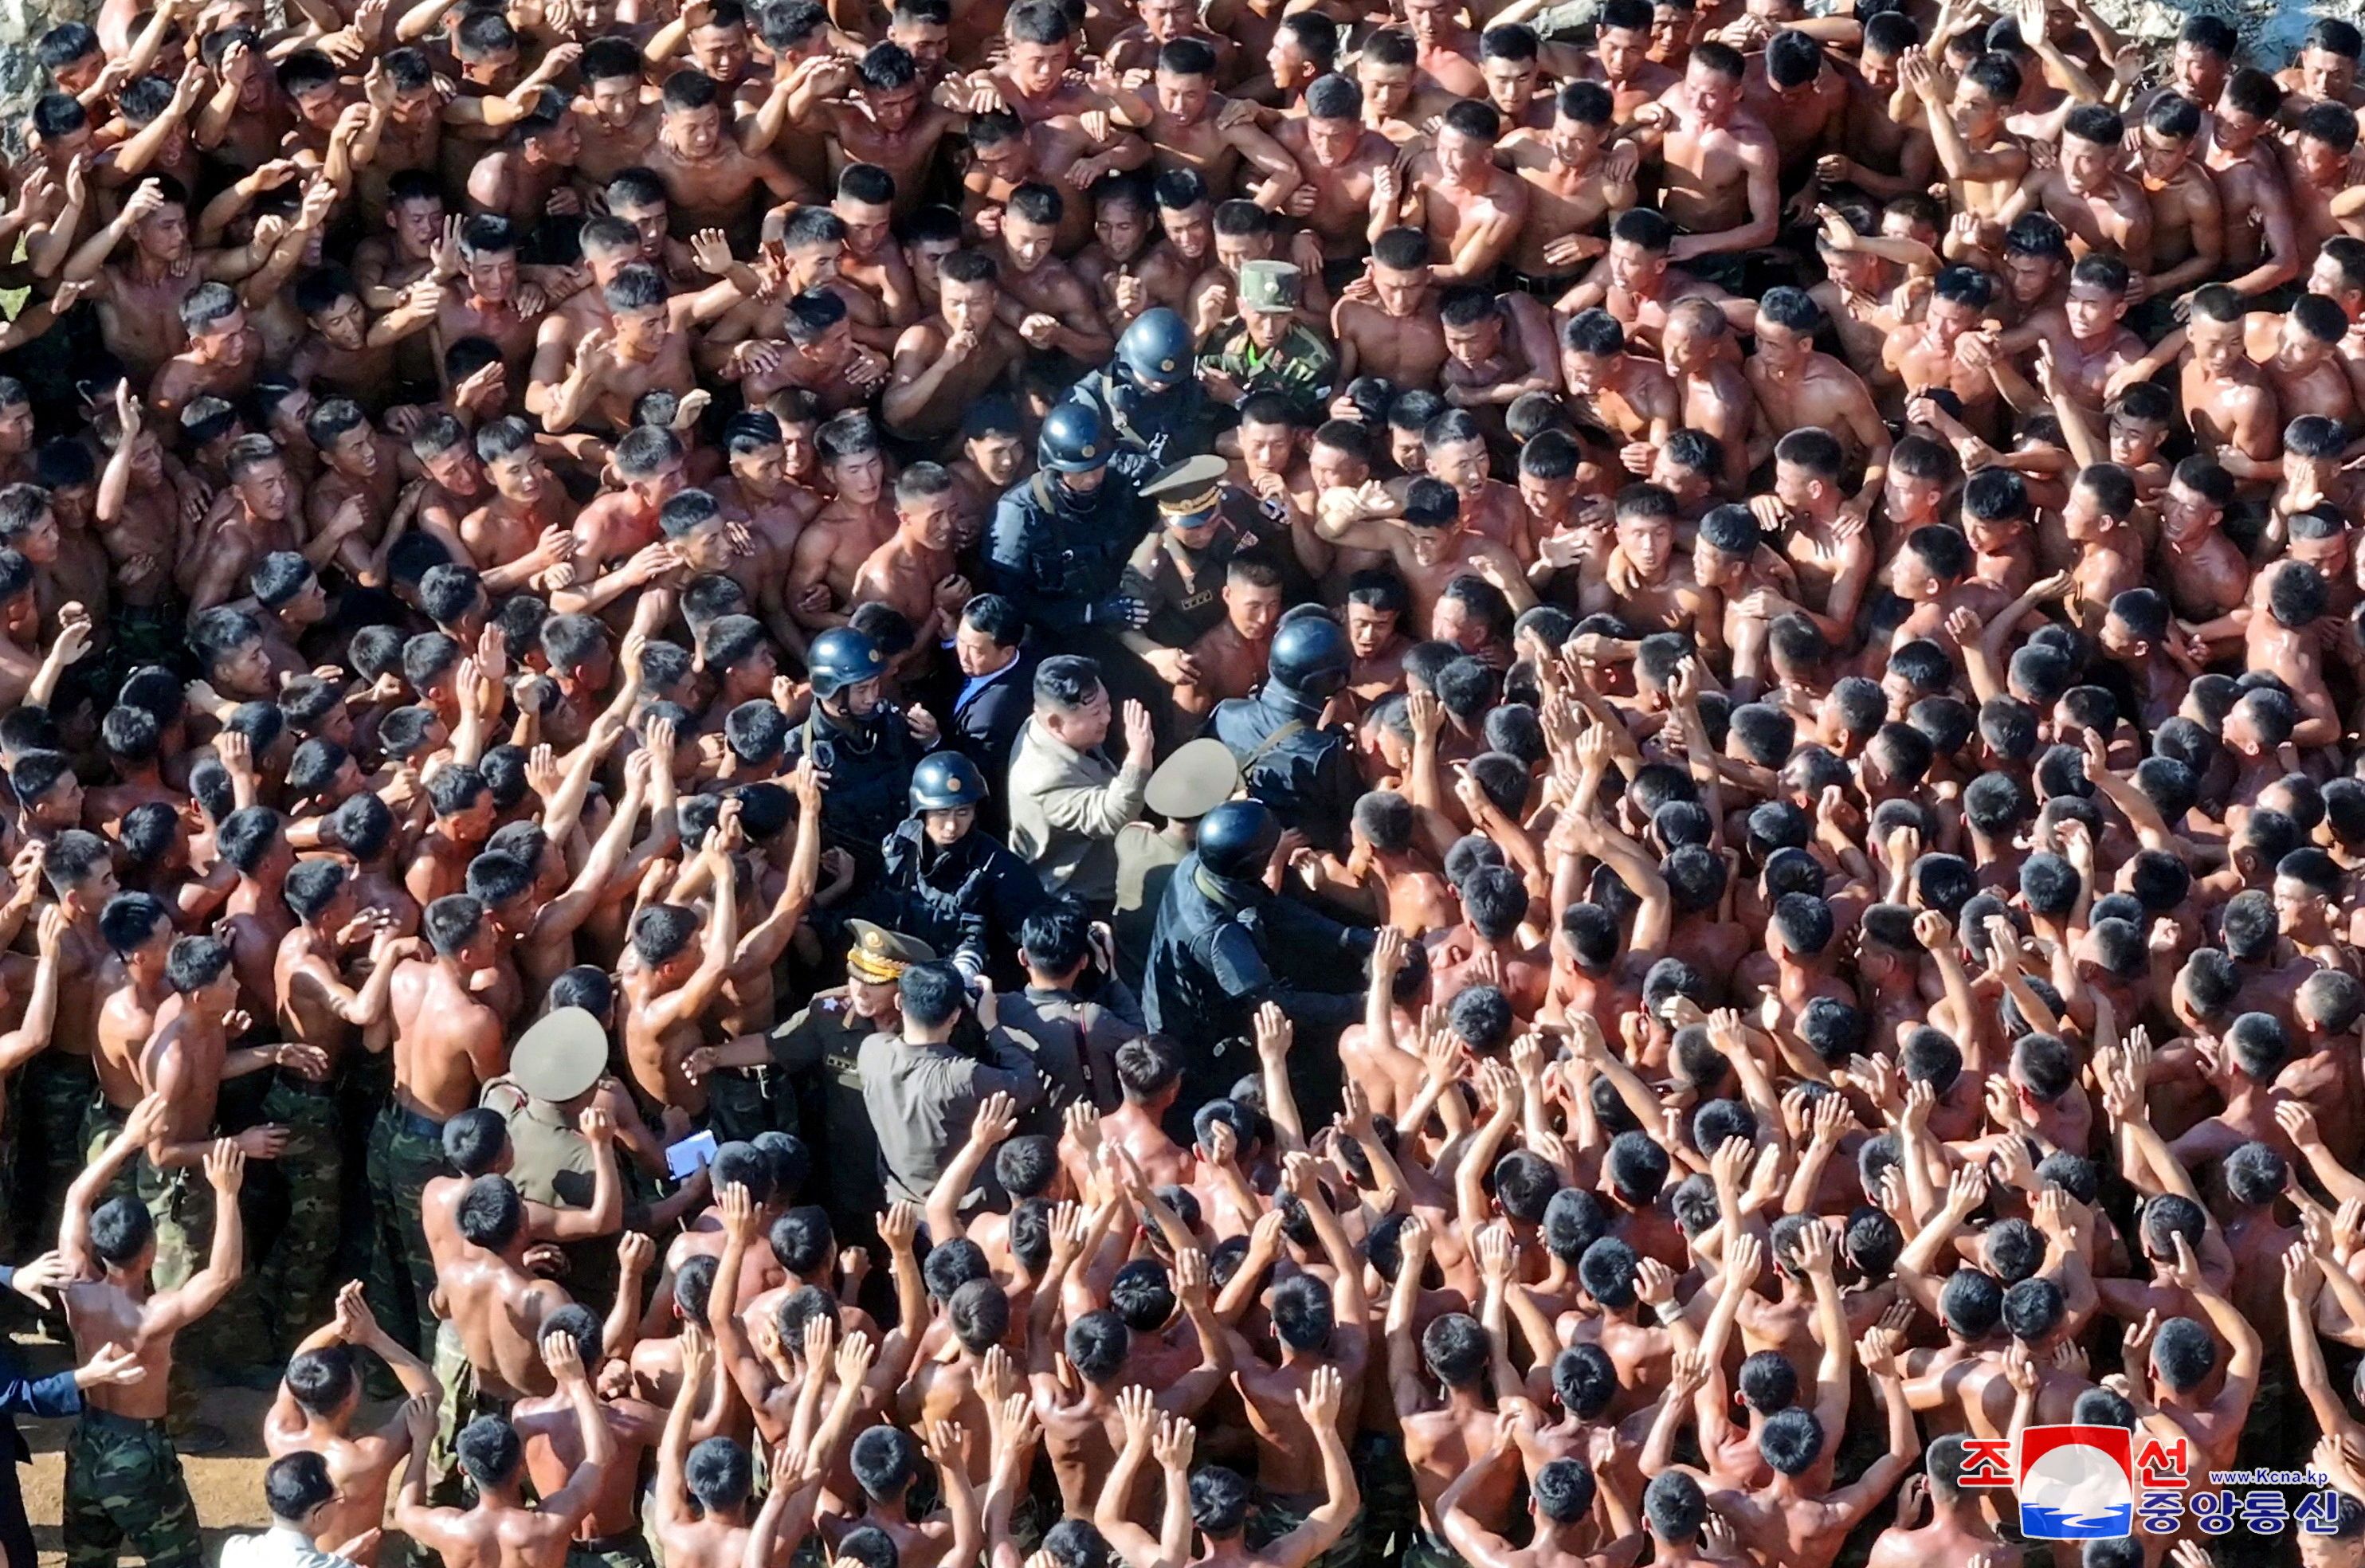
(1156, 350)
(945, 781)
(841, 657)
(1072, 440)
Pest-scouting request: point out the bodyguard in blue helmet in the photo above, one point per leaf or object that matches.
(866, 747)
(1225, 945)
(952, 884)
(1060, 537)
(1148, 396)
(1305, 772)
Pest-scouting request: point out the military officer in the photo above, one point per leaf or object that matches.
(822, 1044)
(1178, 572)
(1272, 350)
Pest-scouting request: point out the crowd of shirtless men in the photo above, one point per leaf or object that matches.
(1844, 524)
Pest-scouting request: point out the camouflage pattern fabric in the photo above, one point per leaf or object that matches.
(124, 1487)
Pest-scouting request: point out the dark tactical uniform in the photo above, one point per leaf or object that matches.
(868, 761)
(1163, 427)
(1305, 774)
(1148, 399)
(1056, 554)
(965, 902)
(1222, 945)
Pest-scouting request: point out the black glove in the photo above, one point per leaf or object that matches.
(1118, 612)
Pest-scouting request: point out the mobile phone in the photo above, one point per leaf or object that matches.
(692, 1155)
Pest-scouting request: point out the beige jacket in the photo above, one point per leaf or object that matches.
(1066, 807)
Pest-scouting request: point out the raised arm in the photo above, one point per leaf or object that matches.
(206, 1289)
(82, 1196)
(1317, 1407)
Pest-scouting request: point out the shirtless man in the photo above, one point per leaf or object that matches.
(1799, 1527)
(1647, 581)
(2225, 396)
(223, 356)
(1572, 193)
(1340, 160)
(501, 1531)
(314, 1409)
(486, 298)
(139, 299)
(1959, 301)
(945, 363)
(1801, 99)
(1228, 659)
(1387, 324)
(112, 1305)
(521, 531)
(447, 1044)
(2087, 191)
(2261, 239)
(616, 115)
(1985, 164)
(1189, 125)
(1621, 60)
(1471, 209)
(1635, 282)
(844, 533)
(1721, 176)
(1426, 538)
(914, 570)
(1798, 387)
(555, 1442)
(644, 347)
(673, 978)
(1712, 395)
(2188, 219)
(709, 180)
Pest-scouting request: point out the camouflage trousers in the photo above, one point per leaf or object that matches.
(101, 1123)
(464, 1401)
(630, 1550)
(124, 1487)
(294, 1283)
(406, 1152)
(1272, 1517)
(181, 1202)
(53, 1095)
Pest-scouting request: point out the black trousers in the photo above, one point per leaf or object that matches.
(15, 1530)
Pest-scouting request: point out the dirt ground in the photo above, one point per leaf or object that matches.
(226, 1484)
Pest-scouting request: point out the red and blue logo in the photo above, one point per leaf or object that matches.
(2074, 1482)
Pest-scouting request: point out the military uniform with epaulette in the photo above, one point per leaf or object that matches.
(820, 1048)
